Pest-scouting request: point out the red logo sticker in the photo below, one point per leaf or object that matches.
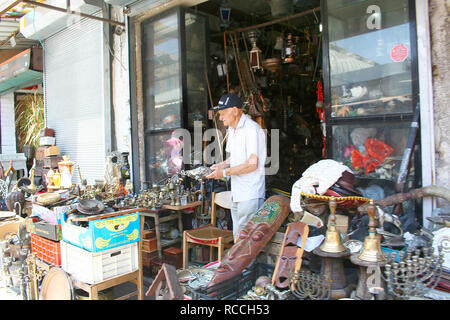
(399, 53)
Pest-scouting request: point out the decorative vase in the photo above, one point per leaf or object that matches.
(12, 198)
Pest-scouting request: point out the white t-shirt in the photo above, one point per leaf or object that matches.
(247, 139)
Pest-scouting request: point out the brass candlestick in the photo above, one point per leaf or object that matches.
(414, 274)
(332, 252)
(370, 260)
(307, 285)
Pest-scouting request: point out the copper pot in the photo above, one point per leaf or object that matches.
(272, 64)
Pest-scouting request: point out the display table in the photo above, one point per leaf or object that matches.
(176, 214)
(94, 289)
(135, 277)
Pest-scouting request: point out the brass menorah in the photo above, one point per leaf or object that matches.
(415, 274)
(307, 285)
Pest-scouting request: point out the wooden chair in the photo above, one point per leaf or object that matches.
(209, 235)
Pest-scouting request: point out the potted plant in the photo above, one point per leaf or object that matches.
(29, 122)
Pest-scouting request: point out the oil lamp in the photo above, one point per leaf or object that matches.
(255, 52)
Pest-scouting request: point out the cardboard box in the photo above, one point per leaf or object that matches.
(44, 229)
(103, 234)
(48, 230)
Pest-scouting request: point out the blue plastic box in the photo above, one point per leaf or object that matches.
(103, 234)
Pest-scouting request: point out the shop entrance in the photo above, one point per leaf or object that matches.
(270, 54)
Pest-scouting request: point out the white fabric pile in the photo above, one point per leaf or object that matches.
(322, 174)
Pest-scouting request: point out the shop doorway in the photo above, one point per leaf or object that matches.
(270, 54)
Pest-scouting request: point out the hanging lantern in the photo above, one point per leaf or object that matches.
(290, 50)
(225, 12)
(255, 53)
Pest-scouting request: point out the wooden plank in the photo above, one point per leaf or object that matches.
(184, 207)
(272, 248)
(107, 215)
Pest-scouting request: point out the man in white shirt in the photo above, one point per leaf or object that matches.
(246, 145)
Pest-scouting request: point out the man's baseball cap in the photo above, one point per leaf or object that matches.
(228, 101)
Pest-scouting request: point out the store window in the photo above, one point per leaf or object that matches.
(372, 92)
(174, 51)
(370, 57)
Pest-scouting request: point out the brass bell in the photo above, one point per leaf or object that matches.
(371, 251)
(333, 241)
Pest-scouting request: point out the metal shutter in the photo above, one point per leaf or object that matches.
(75, 95)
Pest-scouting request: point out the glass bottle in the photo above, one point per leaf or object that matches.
(125, 171)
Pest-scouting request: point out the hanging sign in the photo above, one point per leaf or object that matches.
(399, 53)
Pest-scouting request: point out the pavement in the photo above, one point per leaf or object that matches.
(120, 290)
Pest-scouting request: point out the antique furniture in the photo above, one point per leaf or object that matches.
(176, 214)
(208, 235)
(92, 289)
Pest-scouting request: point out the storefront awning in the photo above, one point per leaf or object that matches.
(22, 70)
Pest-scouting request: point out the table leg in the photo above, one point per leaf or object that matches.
(140, 279)
(185, 252)
(180, 222)
(93, 294)
(158, 236)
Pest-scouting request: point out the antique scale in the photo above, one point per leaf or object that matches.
(370, 260)
(333, 252)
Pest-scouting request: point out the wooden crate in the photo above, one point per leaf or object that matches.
(147, 257)
(52, 162)
(175, 256)
(149, 245)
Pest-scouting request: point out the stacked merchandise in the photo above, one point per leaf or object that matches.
(46, 233)
(96, 249)
(149, 247)
(43, 155)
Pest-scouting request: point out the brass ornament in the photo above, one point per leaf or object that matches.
(371, 251)
(333, 242)
(307, 285)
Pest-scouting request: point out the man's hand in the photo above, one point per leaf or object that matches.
(216, 174)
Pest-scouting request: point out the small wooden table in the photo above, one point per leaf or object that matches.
(94, 289)
(155, 214)
(136, 277)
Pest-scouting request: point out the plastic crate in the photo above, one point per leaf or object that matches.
(235, 287)
(94, 267)
(46, 249)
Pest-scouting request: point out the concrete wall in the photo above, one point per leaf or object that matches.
(8, 126)
(440, 43)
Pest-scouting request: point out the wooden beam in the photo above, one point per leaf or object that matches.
(12, 5)
(68, 11)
